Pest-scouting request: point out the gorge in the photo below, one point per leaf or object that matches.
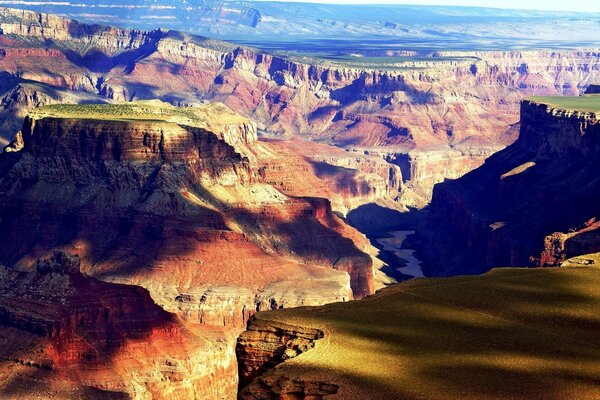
(533, 203)
(467, 336)
(435, 117)
(172, 200)
(182, 217)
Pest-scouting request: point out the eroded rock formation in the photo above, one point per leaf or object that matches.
(533, 203)
(65, 334)
(173, 200)
(461, 105)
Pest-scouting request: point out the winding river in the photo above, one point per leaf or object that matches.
(394, 244)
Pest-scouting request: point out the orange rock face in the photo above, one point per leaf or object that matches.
(184, 213)
(64, 333)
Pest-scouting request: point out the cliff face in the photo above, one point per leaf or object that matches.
(173, 200)
(152, 181)
(511, 210)
(263, 346)
(64, 333)
(463, 105)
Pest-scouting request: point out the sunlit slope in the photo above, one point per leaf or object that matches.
(588, 103)
(508, 334)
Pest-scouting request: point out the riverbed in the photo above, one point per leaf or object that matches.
(394, 244)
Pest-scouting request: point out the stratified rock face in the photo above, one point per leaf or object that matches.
(163, 193)
(507, 211)
(462, 105)
(64, 334)
(348, 179)
(263, 346)
(173, 200)
(266, 344)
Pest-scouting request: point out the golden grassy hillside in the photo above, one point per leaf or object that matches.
(508, 334)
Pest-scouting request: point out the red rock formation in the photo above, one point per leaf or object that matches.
(346, 178)
(463, 109)
(79, 333)
(181, 211)
(507, 211)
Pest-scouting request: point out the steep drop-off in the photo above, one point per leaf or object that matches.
(508, 334)
(174, 200)
(511, 211)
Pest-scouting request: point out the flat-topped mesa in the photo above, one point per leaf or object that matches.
(179, 127)
(211, 136)
(512, 210)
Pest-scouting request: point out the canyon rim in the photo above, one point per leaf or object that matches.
(309, 201)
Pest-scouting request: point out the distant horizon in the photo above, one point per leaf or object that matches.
(582, 6)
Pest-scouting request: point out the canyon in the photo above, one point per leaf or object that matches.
(173, 200)
(434, 117)
(343, 29)
(160, 192)
(531, 204)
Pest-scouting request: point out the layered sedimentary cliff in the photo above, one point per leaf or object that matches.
(512, 210)
(64, 334)
(174, 200)
(462, 105)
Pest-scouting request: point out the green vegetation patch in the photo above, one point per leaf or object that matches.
(370, 62)
(587, 103)
(147, 110)
(508, 334)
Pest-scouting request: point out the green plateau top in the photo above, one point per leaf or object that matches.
(586, 103)
(144, 111)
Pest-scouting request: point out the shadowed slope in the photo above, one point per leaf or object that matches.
(509, 334)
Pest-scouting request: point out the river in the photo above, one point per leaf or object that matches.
(394, 244)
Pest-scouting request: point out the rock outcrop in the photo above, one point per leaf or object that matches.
(263, 346)
(65, 334)
(508, 211)
(461, 105)
(173, 200)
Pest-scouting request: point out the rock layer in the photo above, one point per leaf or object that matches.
(75, 333)
(462, 105)
(181, 210)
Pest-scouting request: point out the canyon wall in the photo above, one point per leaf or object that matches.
(181, 210)
(65, 334)
(511, 211)
(464, 106)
